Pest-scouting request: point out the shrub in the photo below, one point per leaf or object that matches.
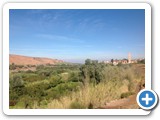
(39, 67)
(12, 66)
(77, 105)
(20, 66)
(44, 73)
(29, 71)
(16, 81)
(43, 103)
(12, 102)
(13, 97)
(63, 89)
(37, 90)
(127, 94)
(25, 102)
(32, 77)
(74, 77)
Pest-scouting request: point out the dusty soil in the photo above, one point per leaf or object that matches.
(24, 60)
(129, 102)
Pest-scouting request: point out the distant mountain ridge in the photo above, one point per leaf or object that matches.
(26, 60)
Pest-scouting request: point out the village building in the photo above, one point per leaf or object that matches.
(122, 61)
(129, 57)
(106, 62)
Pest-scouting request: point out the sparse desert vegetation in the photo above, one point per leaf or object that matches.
(74, 86)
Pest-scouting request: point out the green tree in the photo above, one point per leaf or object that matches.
(85, 75)
(112, 61)
(94, 62)
(88, 61)
(16, 81)
(92, 73)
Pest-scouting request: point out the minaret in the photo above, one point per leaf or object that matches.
(129, 57)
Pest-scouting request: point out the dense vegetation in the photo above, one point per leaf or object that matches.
(73, 85)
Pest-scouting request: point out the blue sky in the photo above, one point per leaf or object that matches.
(75, 35)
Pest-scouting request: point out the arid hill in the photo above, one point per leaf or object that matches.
(24, 60)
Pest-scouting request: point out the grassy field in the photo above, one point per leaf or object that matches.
(74, 86)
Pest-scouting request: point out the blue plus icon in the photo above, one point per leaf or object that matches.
(147, 99)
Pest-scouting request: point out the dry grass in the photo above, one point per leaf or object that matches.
(91, 95)
(118, 81)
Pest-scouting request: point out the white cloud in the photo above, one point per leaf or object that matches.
(59, 37)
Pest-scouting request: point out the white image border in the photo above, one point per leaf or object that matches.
(8, 6)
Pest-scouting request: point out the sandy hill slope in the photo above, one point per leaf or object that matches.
(24, 60)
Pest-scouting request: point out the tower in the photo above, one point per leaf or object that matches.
(129, 57)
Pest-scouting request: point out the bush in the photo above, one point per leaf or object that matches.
(127, 94)
(32, 77)
(12, 66)
(44, 73)
(74, 77)
(12, 102)
(62, 89)
(37, 90)
(29, 71)
(40, 67)
(20, 66)
(77, 105)
(16, 81)
(25, 102)
(13, 96)
(44, 103)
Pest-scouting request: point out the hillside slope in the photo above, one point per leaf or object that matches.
(25, 60)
